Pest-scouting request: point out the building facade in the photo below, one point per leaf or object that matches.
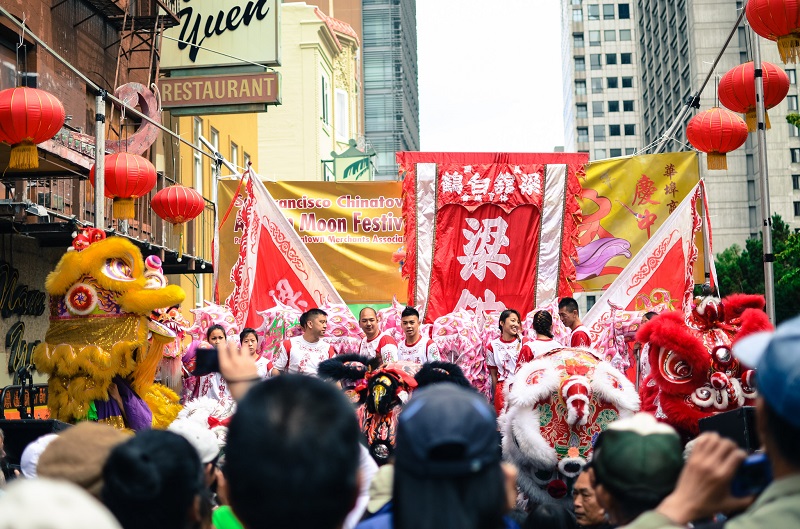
(391, 94)
(680, 41)
(600, 64)
(321, 96)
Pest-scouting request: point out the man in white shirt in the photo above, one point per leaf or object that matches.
(302, 354)
(377, 344)
(415, 348)
(570, 317)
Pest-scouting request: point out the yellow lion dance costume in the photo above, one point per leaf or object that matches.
(101, 350)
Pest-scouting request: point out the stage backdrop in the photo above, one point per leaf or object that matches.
(484, 228)
(624, 201)
(353, 230)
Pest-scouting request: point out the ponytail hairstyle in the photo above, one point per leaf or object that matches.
(543, 323)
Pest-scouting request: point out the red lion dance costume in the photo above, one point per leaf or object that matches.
(693, 373)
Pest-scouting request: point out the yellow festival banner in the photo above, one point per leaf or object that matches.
(624, 201)
(354, 230)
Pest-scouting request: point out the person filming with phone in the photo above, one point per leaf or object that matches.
(717, 471)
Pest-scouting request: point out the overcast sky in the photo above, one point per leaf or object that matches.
(489, 75)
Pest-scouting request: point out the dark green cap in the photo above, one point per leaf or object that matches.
(638, 458)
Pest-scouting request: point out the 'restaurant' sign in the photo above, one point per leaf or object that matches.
(223, 33)
(215, 90)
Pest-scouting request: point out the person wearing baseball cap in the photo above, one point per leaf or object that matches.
(448, 471)
(635, 465)
(705, 483)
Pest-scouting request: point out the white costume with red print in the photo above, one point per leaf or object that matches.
(421, 351)
(296, 355)
(502, 355)
(534, 349)
(580, 337)
(382, 345)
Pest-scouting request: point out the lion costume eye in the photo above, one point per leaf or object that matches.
(673, 367)
(118, 269)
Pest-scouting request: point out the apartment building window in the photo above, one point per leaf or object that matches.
(325, 103)
(597, 109)
(625, 34)
(792, 76)
(583, 134)
(577, 40)
(197, 168)
(600, 133)
(593, 11)
(794, 132)
(792, 101)
(627, 82)
(576, 2)
(608, 11)
(627, 105)
(597, 85)
(630, 130)
(577, 15)
(580, 64)
(599, 154)
(580, 88)
(613, 153)
(613, 106)
(624, 11)
(796, 182)
(247, 160)
(611, 58)
(613, 130)
(796, 209)
(342, 116)
(234, 154)
(594, 38)
(625, 58)
(581, 111)
(612, 82)
(596, 60)
(795, 153)
(629, 151)
(610, 35)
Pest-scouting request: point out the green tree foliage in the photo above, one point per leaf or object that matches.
(742, 270)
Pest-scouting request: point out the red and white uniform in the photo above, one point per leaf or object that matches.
(580, 337)
(296, 355)
(421, 351)
(501, 356)
(263, 367)
(383, 346)
(534, 349)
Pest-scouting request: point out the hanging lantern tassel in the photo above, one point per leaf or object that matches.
(716, 161)
(123, 208)
(752, 121)
(177, 229)
(737, 90)
(789, 48)
(24, 155)
(777, 20)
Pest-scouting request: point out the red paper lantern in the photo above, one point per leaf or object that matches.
(737, 90)
(178, 204)
(715, 132)
(127, 177)
(777, 20)
(28, 116)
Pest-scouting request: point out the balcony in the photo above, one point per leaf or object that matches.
(131, 15)
(52, 202)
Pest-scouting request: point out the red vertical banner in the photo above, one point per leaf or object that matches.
(484, 229)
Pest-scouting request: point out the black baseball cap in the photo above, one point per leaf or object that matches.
(446, 431)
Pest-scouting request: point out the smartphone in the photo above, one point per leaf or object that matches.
(753, 476)
(207, 361)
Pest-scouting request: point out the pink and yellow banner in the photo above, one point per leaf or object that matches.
(353, 230)
(624, 201)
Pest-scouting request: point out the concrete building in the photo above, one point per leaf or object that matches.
(679, 42)
(602, 93)
(321, 96)
(391, 95)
